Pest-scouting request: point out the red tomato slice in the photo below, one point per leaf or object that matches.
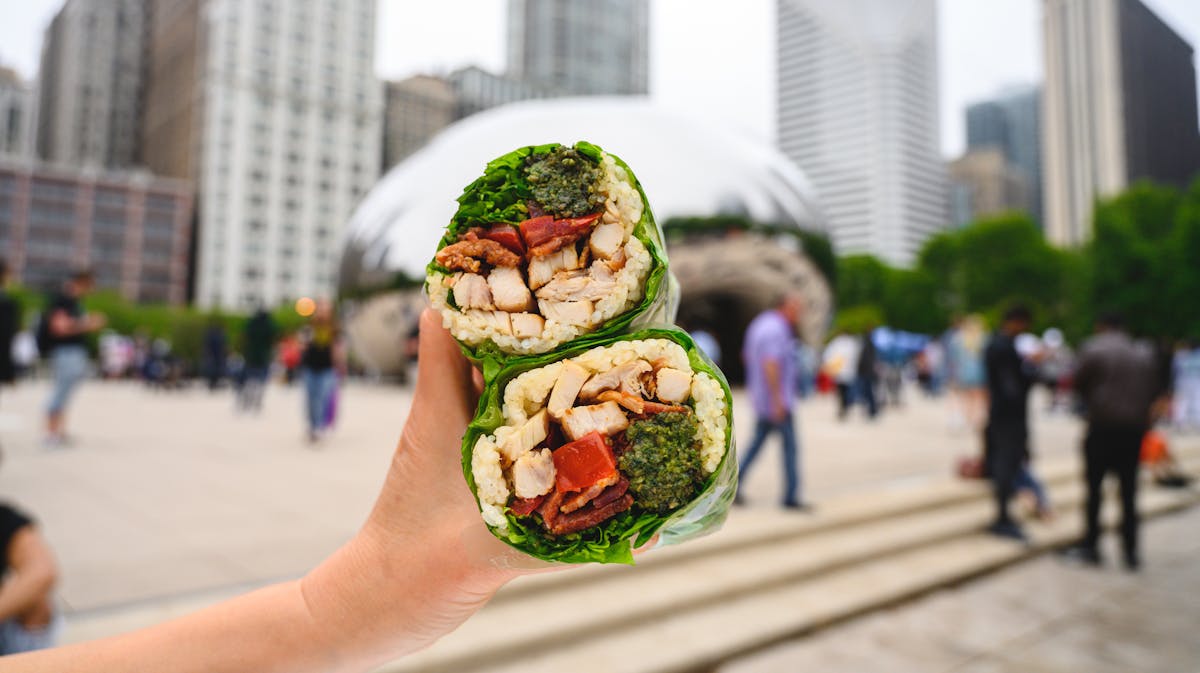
(583, 462)
(506, 235)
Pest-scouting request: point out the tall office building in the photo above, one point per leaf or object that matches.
(984, 182)
(272, 107)
(580, 48)
(16, 115)
(1120, 106)
(858, 113)
(90, 83)
(415, 109)
(1011, 122)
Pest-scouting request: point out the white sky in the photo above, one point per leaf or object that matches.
(714, 58)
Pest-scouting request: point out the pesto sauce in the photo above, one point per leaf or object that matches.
(662, 462)
(565, 183)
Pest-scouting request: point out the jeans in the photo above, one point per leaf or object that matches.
(251, 393)
(70, 365)
(791, 469)
(1113, 448)
(15, 638)
(318, 388)
(1025, 481)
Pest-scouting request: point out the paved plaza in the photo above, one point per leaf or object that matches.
(168, 501)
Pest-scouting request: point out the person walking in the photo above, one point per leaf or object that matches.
(965, 347)
(867, 373)
(769, 354)
(1118, 382)
(28, 620)
(1006, 437)
(258, 341)
(10, 323)
(64, 331)
(1186, 371)
(215, 353)
(841, 363)
(320, 363)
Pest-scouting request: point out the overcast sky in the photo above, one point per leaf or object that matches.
(712, 58)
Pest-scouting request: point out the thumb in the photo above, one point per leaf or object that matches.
(443, 374)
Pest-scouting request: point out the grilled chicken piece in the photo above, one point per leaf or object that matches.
(471, 291)
(497, 319)
(566, 388)
(542, 269)
(595, 284)
(529, 435)
(533, 474)
(607, 418)
(466, 254)
(569, 312)
(509, 292)
(624, 377)
(526, 325)
(631, 402)
(606, 239)
(673, 385)
(584, 497)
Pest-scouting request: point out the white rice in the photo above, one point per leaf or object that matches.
(527, 394)
(623, 204)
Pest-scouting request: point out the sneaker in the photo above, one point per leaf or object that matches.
(1133, 563)
(1007, 529)
(1081, 554)
(798, 506)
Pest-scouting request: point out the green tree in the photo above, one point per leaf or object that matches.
(862, 279)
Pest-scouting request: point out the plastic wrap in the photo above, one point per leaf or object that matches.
(479, 205)
(614, 540)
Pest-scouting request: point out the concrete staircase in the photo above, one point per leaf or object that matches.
(767, 576)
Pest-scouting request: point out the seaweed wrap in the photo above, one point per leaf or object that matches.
(586, 454)
(552, 246)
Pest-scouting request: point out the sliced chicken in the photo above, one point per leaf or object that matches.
(623, 377)
(542, 269)
(471, 291)
(569, 312)
(566, 388)
(673, 385)
(509, 292)
(526, 324)
(529, 435)
(606, 417)
(631, 402)
(498, 319)
(533, 474)
(606, 239)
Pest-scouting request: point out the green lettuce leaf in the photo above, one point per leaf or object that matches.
(614, 540)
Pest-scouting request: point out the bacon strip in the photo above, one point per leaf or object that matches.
(544, 235)
(611, 493)
(526, 506)
(586, 518)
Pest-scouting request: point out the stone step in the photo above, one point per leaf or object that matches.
(617, 599)
(699, 638)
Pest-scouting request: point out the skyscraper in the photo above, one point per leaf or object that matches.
(272, 107)
(90, 83)
(1120, 106)
(416, 108)
(16, 115)
(580, 48)
(858, 113)
(1011, 122)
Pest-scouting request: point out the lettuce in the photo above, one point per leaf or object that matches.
(614, 540)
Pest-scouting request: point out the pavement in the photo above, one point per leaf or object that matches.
(1043, 616)
(168, 501)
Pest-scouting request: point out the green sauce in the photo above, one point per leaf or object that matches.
(662, 462)
(566, 183)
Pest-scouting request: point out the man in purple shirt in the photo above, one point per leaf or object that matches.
(769, 353)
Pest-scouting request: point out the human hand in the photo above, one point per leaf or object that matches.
(93, 322)
(424, 561)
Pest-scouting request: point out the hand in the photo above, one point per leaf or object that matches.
(779, 413)
(94, 322)
(425, 525)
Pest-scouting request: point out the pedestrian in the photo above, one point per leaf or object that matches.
(215, 352)
(840, 362)
(63, 334)
(10, 323)
(866, 378)
(258, 340)
(320, 363)
(769, 355)
(965, 347)
(1119, 383)
(1186, 368)
(1006, 437)
(28, 620)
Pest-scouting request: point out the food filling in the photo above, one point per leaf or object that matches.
(628, 426)
(572, 264)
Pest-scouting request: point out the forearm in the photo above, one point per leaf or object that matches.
(771, 374)
(267, 630)
(22, 592)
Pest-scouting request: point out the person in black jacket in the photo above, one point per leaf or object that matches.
(1006, 437)
(10, 322)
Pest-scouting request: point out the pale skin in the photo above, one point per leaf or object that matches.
(421, 565)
